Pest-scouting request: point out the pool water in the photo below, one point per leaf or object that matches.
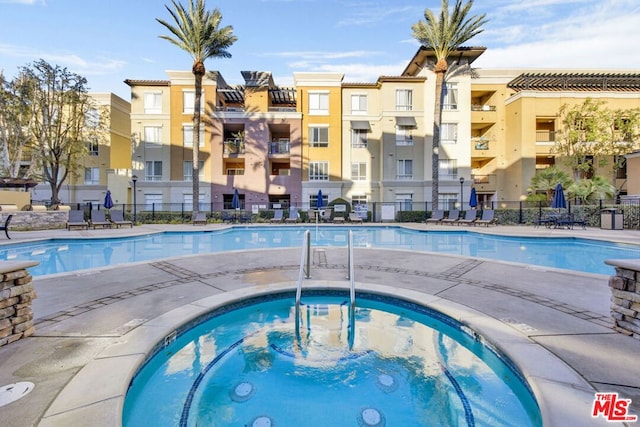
(68, 255)
(408, 366)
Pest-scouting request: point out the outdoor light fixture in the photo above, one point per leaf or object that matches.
(461, 184)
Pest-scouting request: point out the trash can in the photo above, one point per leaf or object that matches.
(611, 219)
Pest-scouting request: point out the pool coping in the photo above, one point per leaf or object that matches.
(562, 394)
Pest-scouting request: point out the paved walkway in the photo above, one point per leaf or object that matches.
(93, 327)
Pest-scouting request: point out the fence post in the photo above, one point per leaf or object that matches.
(520, 219)
(153, 211)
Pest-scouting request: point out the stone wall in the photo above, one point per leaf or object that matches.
(625, 296)
(36, 220)
(16, 295)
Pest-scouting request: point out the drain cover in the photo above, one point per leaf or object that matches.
(12, 392)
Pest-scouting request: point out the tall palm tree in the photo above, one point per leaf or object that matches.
(197, 31)
(444, 34)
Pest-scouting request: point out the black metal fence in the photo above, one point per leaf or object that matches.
(506, 212)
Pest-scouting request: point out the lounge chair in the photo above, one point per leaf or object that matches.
(294, 216)
(338, 219)
(487, 218)
(354, 217)
(117, 218)
(76, 219)
(470, 217)
(278, 216)
(436, 216)
(452, 218)
(5, 227)
(99, 219)
(200, 219)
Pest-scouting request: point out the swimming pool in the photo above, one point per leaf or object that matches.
(243, 364)
(68, 255)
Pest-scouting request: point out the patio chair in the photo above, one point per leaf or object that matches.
(99, 219)
(470, 217)
(200, 219)
(338, 219)
(354, 217)
(294, 216)
(76, 219)
(278, 216)
(246, 216)
(228, 216)
(436, 216)
(5, 227)
(117, 218)
(452, 218)
(487, 218)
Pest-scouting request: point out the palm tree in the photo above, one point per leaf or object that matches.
(444, 34)
(197, 32)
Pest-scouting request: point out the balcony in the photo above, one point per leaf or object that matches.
(485, 183)
(483, 115)
(233, 147)
(282, 146)
(545, 137)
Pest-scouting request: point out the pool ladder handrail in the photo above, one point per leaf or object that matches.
(305, 271)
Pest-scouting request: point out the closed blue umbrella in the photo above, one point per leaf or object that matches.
(319, 201)
(108, 202)
(235, 202)
(559, 202)
(473, 198)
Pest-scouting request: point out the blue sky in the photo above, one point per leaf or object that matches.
(110, 41)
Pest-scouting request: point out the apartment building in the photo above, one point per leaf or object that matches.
(107, 164)
(250, 141)
(516, 122)
(363, 142)
(320, 104)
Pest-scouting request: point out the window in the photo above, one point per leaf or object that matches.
(448, 168)
(318, 103)
(189, 99)
(358, 138)
(313, 200)
(359, 104)
(152, 136)
(93, 147)
(187, 199)
(152, 199)
(92, 118)
(153, 102)
(153, 170)
(450, 96)
(403, 136)
(404, 100)
(319, 171)
(187, 136)
(448, 200)
(405, 170)
(405, 201)
(318, 136)
(449, 133)
(187, 167)
(358, 171)
(92, 176)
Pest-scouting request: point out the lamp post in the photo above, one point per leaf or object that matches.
(134, 179)
(461, 188)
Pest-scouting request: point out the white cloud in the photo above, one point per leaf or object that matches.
(322, 56)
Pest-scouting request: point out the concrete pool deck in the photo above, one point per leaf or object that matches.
(93, 326)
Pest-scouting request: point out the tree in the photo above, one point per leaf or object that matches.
(15, 122)
(545, 180)
(591, 190)
(593, 133)
(59, 107)
(196, 31)
(444, 35)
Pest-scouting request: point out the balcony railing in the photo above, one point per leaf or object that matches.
(480, 107)
(281, 146)
(480, 143)
(234, 146)
(545, 137)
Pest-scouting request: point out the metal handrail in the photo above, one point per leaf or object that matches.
(305, 261)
